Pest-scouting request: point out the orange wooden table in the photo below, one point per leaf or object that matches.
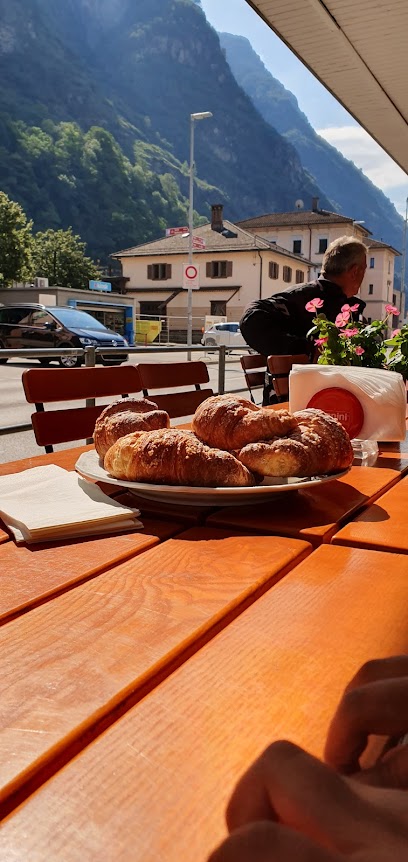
(383, 526)
(155, 784)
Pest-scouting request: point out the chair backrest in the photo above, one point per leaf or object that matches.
(279, 368)
(254, 366)
(173, 375)
(50, 385)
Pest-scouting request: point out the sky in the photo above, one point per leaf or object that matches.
(324, 113)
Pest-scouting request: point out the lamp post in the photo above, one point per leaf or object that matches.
(203, 115)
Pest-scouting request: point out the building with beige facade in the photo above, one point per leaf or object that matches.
(309, 232)
(235, 267)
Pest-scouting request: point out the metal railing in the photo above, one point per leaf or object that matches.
(90, 354)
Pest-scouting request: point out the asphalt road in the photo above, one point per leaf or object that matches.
(15, 410)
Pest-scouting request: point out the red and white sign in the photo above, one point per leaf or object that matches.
(172, 231)
(191, 276)
(198, 242)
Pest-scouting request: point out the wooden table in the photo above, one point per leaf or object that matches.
(144, 671)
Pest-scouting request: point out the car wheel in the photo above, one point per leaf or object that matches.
(210, 343)
(69, 361)
(2, 361)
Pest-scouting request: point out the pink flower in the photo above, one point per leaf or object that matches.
(354, 307)
(396, 332)
(320, 341)
(341, 320)
(348, 333)
(391, 309)
(359, 351)
(313, 304)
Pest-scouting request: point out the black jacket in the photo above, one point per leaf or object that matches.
(289, 305)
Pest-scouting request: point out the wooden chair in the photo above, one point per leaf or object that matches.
(50, 385)
(172, 375)
(254, 366)
(279, 368)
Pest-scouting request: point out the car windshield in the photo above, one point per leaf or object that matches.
(71, 318)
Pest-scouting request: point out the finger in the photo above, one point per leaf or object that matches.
(290, 786)
(391, 771)
(381, 668)
(269, 842)
(379, 707)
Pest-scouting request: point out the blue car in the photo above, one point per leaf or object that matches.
(33, 325)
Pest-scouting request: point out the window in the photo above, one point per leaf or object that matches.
(297, 246)
(159, 271)
(218, 308)
(219, 269)
(394, 298)
(287, 274)
(370, 289)
(40, 318)
(273, 269)
(299, 276)
(322, 245)
(389, 267)
(152, 310)
(371, 263)
(14, 315)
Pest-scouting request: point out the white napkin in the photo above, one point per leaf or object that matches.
(49, 503)
(381, 393)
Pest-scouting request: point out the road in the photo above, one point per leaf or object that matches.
(15, 410)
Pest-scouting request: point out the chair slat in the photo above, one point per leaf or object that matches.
(71, 384)
(279, 367)
(163, 375)
(62, 426)
(181, 403)
(255, 379)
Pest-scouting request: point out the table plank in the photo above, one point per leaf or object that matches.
(154, 786)
(383, 526)
(78, 658)
(31, 573)
(314, 514)
(66, 458)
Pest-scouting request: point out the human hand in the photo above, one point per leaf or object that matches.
(290, 806)
(374, 702)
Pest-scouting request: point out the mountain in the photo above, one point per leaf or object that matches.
(351, 192)
(95, 106)
(95, 88)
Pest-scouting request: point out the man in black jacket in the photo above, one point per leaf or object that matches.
(279, 325)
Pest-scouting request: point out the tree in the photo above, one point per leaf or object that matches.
(59, 255)
(15, 242)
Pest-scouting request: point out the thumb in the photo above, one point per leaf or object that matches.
(269, 842)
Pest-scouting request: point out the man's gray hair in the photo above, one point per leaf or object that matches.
(342, 254)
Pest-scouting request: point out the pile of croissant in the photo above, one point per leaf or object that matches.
(233, 443)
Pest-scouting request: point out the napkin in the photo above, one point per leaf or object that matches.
(48, 503)
(378, 403)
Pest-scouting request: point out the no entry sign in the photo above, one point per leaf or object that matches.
(191, 276)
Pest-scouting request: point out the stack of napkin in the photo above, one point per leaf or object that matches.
(48, 504)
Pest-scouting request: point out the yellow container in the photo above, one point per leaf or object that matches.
(146, 331)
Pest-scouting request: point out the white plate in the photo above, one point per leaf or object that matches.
(89, 465)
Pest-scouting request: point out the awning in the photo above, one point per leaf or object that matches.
(358, 50)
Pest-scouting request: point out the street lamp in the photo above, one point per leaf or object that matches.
(203, 115)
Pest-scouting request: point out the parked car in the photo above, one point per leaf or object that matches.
(33, 325)
(223, 334)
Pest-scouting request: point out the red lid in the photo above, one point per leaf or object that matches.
(341, 404)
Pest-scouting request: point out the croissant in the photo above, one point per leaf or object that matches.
(230, 422)
(319, 445)
(172, 456)
(124, 416)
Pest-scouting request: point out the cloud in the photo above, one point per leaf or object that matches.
(357, 145)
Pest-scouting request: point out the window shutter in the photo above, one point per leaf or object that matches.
(208, 269)
(150, 270)
(229, 268)
(168, 270)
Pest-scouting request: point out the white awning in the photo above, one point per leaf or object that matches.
(358, 50)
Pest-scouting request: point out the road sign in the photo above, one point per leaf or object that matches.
(198, 242)
(172, 231)
(191, 276)
(100, 285)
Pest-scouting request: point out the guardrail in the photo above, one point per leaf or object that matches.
(90, 355)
